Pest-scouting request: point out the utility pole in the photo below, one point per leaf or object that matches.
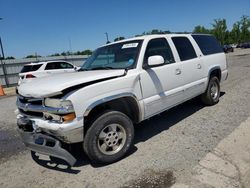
(107, 36)
(2, 63)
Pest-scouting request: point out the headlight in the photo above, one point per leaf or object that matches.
(59, 103)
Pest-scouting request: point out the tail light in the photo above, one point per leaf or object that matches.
(30, 76)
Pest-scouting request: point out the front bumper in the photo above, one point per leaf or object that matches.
(43, 143)
(71, 132)
(224, 75)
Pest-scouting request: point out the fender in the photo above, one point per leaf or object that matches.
(113, 97)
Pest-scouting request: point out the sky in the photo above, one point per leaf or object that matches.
(53, 26)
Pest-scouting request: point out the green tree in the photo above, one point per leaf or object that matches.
(167, 32)
(235, 34)
(33, 56)
(119, 38)
(54, 55)
(201, 29)
(245, 25)
(219, 30)
(10, 57)
(86, 52)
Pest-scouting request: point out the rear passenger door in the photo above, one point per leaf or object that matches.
(191, 66)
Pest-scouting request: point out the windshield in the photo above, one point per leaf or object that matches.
(116, 56)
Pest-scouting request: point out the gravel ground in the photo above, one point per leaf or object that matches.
(166, 147)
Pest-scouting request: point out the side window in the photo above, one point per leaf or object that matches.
(184, 48)
(64, 65)
(161, 47)
(58, 65)
(50, 66)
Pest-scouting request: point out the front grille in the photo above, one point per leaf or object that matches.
(30, 113)
(31, 100)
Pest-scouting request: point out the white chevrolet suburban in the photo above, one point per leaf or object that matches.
(121, 84)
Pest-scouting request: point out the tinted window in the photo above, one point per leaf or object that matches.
(50, 66)
(28, 68)
(58, 65)
(208, 44)
(159, 47)
(64, 65)
(184, 48)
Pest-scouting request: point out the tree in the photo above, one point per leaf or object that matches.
(33, 56)
(201, 29)
(54, 55)
(68, 53)
(245, 25)
(235, 33)
(10, 57)
(219, 30)
(119, 38)
(154, 31)
(86, 52)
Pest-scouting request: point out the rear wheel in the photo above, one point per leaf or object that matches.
(109, 138)
(212, 94)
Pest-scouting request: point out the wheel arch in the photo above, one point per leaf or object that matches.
(216, 71)
(126, 103)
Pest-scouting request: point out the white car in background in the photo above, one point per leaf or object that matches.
(45, 68)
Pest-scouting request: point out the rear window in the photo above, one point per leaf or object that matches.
(29, 68)
(208, 44)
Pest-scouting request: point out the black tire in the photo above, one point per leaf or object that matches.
(211, 97)
(102, 142)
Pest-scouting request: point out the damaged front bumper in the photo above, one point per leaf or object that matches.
(42, 143)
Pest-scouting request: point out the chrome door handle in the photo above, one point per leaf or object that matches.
(199, 66)
(178, 71)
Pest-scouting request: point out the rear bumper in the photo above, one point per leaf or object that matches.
(42, 143)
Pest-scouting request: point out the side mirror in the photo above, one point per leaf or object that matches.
(155, 60)
(76, 68)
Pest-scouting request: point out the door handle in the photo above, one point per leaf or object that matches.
(199, 66)
(178, 71)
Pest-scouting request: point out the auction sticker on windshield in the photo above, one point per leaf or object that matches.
(130, 45)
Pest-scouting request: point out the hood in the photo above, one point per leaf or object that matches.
(54, 84)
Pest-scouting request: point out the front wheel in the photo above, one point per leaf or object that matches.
(109, 138)
(212, 94)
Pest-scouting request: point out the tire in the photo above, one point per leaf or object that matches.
(109, 138)
(212, 94)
